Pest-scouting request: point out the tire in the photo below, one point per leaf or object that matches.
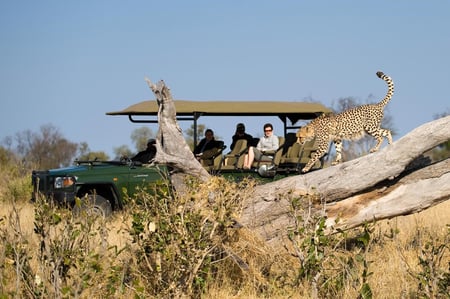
(94, 205)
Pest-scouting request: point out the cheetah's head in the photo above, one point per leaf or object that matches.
(304, 134)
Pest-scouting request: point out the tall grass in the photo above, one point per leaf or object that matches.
(191, 246)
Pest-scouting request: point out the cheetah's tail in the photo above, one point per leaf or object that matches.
(390, 91)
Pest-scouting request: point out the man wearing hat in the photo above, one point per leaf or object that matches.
(240, 134)
(148, 154)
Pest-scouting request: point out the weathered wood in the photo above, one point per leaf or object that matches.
(413, 193)
(408, 194)
(171, 146)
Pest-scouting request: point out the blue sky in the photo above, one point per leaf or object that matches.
(67, 63)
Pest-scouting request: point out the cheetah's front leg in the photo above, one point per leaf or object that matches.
(322, 148)
(311, 162)
(338, 146)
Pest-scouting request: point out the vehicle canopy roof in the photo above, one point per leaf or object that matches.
(294, 110)
(192, 110)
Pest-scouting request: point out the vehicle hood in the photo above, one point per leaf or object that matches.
(67, 170)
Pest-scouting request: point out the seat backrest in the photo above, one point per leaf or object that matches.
(240, 145)
(217, 160)
(294, 150)
(291, 155)
(235, 156)
(279, 152)
(210, 156)
(308, 149)
(280, 142)
(290, 139)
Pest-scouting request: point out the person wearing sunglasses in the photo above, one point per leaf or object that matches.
(266, 146)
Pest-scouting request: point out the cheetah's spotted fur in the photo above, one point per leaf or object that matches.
(351, 124)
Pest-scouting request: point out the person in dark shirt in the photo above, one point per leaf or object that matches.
(240, 134)
(148, 154)
(206, 145)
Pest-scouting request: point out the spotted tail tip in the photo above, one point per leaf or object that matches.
(380, 74)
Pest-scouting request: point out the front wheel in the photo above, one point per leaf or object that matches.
(93, 204)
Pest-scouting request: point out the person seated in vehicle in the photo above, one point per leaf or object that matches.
(241, 134)
(148, 154)
(207, 147)
(266, 146)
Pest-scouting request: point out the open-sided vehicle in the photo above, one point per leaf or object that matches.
(103, 185)
(288, 159)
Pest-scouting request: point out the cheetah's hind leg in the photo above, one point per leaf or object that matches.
(386, 133)
(379, 137)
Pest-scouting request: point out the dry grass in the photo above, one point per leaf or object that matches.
(393, 254)
(396, 257)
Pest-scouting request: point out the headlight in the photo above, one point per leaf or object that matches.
(64, 182)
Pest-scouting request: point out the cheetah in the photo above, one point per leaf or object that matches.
(351, 124)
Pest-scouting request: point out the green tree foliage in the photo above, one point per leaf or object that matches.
(14, 178)
(85, 153)
(122, 151)
(140, 137)
(189, 134)
(6, 156)
(45, 149)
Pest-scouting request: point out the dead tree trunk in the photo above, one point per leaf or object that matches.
(172, 149)
(377, 186)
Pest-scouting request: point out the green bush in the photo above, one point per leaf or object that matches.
(179, 239)
(15, 179)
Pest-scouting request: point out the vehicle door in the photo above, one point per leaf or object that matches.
(144, 177)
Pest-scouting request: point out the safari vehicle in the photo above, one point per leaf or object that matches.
(101, 186)
(287, 160)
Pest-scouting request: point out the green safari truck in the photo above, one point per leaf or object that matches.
(101, 185)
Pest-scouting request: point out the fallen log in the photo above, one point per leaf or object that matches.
(408, 194)
(411, 194)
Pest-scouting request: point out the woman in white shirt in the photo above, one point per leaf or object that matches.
(268, 144)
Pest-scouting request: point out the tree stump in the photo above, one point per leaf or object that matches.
(172, 149)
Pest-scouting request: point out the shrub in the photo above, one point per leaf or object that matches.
(180, 239)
